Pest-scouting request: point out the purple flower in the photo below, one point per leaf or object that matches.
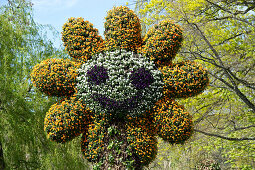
(97, 75)
(116, 106)
(141, 78)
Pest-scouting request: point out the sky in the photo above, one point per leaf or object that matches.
(57, 12)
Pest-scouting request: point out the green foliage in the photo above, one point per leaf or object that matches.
(107, 146)
(208, 164)
(220, 35)
(22, 109)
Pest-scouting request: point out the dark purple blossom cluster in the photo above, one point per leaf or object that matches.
(117, 106)
(141, 78)
(97, 75)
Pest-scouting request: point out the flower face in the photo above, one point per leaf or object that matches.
(121, 83)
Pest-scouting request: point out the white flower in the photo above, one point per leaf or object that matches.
(118, 86)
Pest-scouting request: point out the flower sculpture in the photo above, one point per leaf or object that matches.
(119, 92)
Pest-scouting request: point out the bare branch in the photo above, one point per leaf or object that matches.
(244, 82)
(243, 20)
(223, 137)
(218, 6)
(240, 128)
(233, 37)
(212, 61)
(204, 115)
(249, 8)
(222, 80)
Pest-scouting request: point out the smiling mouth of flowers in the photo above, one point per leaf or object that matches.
(111, 104)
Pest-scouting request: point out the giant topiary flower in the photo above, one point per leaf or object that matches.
(119, 92)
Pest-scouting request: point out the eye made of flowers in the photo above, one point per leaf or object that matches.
(141, 78)
(97, 75)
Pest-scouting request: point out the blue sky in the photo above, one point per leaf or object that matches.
(57, 12)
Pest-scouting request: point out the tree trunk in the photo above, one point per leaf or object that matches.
(108, 148)
(2, 164)
(115, 153)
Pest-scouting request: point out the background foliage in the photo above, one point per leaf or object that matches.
(220, 35)
(23, 143)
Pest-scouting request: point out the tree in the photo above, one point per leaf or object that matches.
(219, 33)
(22, 141)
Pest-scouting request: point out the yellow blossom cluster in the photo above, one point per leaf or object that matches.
(184, 79)
(55, 77)
(122, 29)
(172, 123)
(80, 39)
(66, 120)
(141, 136)
(162, 42)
